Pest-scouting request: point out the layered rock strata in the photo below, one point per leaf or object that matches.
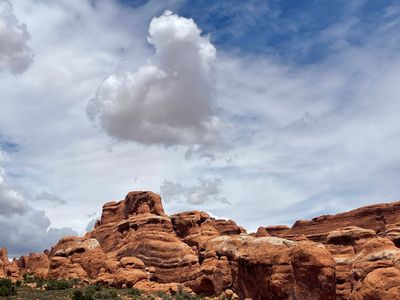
(352, 255)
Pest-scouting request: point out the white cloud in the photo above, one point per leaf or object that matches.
(43, 112)
(11, 201)
(168, 101)
(23, 228)
(304, 140)
(205, 191)
(313, 139)
(15, 53)
(46, 196)
(30, 232)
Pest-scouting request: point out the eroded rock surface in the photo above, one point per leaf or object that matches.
(352, 255)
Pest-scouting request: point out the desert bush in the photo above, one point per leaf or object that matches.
(79, 295)
(135, 292)
(28, 278)
(107, 294)
(181, 295)
(58, 285)
(95, 292)
(4, 291)
(163, 295)
(7, 288)
(40, 282)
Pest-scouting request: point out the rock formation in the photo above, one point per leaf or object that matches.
(7, 268)
(364, 244)
(352, 255)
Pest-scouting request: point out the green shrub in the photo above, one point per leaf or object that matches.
(39, 282)
(5, 282)
(106, 294)
(4, 291)
(95, 292)
(135, 292)
(58, 285)
(28, 278)
(79, 295)
(181, 295)
(163, 295)
(7, 288)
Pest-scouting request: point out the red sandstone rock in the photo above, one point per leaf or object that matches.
(275, 268)
(3, 262)
(3, 255)
(196, 227)
(142, 203)
(36, 264)
(352, 255)
(7, 268)
(380, 284)
(63, 268)
(75, 257)
(374, 217)
(392, 232)
(261, 232)
(314, 272)
(348, 235)
(149, 287)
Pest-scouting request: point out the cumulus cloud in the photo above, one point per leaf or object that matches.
(29, 232)
(15, 54)
(305, 139)
(11, 201)
(168, 101)
(205, 191)
(23, 228)
(46, 196)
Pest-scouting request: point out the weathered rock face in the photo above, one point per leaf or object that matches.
(352, 255)
(3, 255)
(138, 227)
(195, 228)
(275, 268)
(361, 242)
(3, 262)
(380, 284)
(36, 264)
(7, 268)
(75, 257)
(375, 217)
(168, 246)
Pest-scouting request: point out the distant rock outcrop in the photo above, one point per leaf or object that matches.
(353, 255)
(7, 268)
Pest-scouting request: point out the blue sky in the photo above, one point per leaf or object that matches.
(277, 111)
(286, 29)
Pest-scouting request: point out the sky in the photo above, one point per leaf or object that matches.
(260, 111)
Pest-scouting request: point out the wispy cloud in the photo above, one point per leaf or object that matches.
(46, 196)
(205, 191)
(15, 53)
(23, 228)
(326, 132)
(310, 120)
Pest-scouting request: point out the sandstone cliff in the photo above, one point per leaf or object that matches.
(352, 255)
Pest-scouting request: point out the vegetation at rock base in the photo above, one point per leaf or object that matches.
(7, 288)
(34, 288)
(95, 292)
